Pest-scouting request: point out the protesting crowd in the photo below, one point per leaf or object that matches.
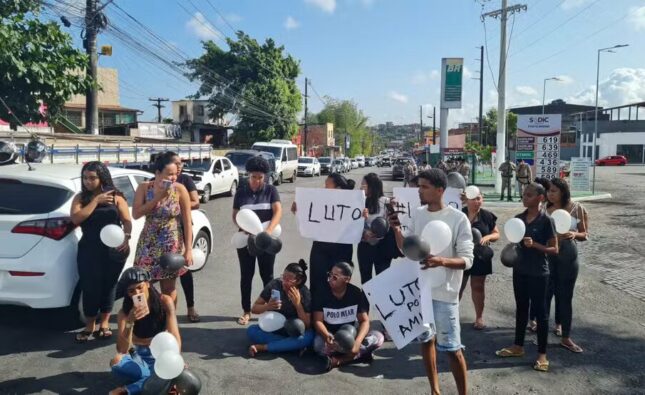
(313, 304)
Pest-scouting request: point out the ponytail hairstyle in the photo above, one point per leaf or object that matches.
(299, 269)
(341, 182)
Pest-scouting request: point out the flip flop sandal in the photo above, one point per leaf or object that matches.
(572, 347)
(541, 366)
(244, 319)
(83, 336)
(479, 327)
(508, 353)
(196, 318)
(557, 332)
(103, 333)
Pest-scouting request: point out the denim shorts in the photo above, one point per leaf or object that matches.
(446, 327)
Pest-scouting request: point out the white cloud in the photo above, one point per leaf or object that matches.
(200, 27)
(637, 18)
(623, 86)
(566, 80)
(328, 6)
(526, 90)
(467, 74)
(396, 96)
(422, 77)
(570, 4)
(291, 23)
(233, 18)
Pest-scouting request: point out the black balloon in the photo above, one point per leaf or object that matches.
(187, 383)
(253, 249)
(275, 246)
(477, 236)
(380, 227)
(456, 180)
(263, 241)
(510, 255)
(349, 328)
(415, 249)
(483, 252)
(172, 262)
(155, 385)
(344, 340)
(294, 327)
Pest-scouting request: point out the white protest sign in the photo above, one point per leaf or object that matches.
(407, 200)
(452, 197)
(331, 215)
(396, 296)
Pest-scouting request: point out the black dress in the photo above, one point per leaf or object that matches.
(483, 262)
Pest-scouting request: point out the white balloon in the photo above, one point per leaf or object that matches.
(562, 220)
(472, 191)
(239, 240)
(432, 277)
(169, 365)
(514, 229)
(277, 231)
(112, 235)
(163, 342)
(271, 321)
(438, 235)
(249, 221)
(199, 260)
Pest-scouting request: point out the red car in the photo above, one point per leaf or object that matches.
(613, 160)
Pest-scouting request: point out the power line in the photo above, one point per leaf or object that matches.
(323, 101)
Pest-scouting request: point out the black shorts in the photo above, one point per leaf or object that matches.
(480, 268)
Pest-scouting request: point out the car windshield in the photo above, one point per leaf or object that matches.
(305, 160)
(324, 159)
(238, 158)
(203, 165)
(339, 161)
(17, 197)
(276, 151)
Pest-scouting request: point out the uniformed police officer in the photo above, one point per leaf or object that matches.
(507, 168)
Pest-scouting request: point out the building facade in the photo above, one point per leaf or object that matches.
(196, 125)
(320, 140)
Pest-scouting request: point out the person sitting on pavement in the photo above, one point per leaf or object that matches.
(294, 303)
(343, 303)
(531, 275)
(145, 313)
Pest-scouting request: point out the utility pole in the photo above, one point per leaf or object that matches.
(421, 139)
(91, 98)
(481, 95)
(305, 131)
(434, 123)
(159, 106)
(503, 14)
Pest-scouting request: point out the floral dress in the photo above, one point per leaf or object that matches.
(162, 233)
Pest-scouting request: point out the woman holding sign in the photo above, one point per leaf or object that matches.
(373, 250)
(263, 199)
(324, 255)
(336, 313)
(484, 223)
(564, 266)
(531, 275)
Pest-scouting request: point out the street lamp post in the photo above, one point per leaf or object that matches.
(595, 122)
(544, 90)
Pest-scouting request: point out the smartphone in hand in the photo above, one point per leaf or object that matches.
(275, 294)
(167, 184)
(138, 300)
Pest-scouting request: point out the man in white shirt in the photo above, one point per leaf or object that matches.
(444, 335)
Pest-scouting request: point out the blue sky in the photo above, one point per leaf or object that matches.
(385, 54)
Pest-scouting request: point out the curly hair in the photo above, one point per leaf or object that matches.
(104, 177)
(257, 164)
(342, 182)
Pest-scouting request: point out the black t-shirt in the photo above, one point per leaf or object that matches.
(484, 222)
(288, 309)
(533, 262)
(187, 181)
(260, 201)
(338, 312)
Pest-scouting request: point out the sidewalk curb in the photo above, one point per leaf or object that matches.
(600, 196)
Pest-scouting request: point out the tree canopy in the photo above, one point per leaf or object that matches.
(348, 121)
(256, 83)
(38, 64)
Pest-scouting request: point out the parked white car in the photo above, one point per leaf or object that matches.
(38, 242)
(361, 160)
(355, 164)
(212, 177)
(308, 166)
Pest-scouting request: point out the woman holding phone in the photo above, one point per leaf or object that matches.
(168, 227)
(97, 205)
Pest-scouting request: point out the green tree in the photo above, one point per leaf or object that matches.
(490, 126)
(38, 64)
(256, 83)
(348, 121)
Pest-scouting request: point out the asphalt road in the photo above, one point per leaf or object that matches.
(38, 354)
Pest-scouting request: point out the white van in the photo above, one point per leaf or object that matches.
(286, 158)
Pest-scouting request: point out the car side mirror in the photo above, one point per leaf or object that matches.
(217, 171)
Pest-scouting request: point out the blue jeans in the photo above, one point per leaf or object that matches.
(278, 343)
(446, 327)
(135, 369)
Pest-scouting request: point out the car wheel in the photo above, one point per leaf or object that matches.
(207, 194)
(279, 180)
(233, 189)
(202, 242)
(293, 177)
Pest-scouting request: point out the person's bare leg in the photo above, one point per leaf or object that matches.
(477, 288)
(464, 281)
(169, 287)
(459, 370)
(429, 353)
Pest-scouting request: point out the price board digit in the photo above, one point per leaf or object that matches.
(538, 137)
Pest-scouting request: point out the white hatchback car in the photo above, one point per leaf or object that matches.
(214, 176)
(308, 166)
(38, 241)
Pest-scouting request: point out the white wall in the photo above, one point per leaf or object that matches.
(608, 141)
